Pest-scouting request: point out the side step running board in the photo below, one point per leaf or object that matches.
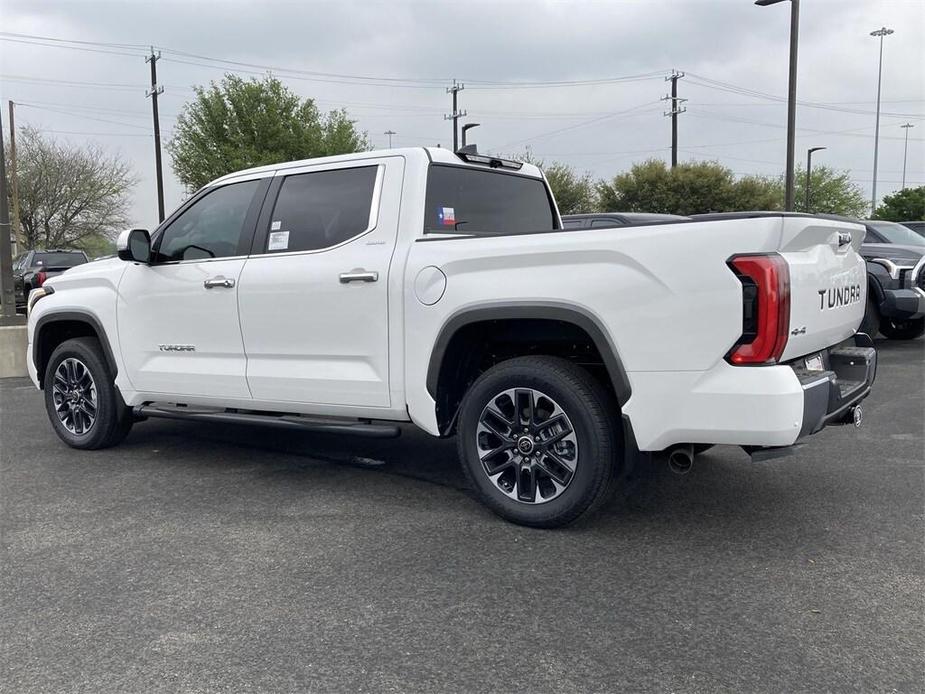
(318, 426)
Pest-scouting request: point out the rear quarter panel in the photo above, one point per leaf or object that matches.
(663, 294)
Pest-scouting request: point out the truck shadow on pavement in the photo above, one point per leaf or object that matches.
(723, 483)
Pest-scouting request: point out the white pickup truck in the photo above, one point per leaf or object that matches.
(352, 293)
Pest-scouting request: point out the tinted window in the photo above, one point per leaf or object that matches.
(211, 227)
(897, 233)
(322, 209)
(468, 200)
(59, 259)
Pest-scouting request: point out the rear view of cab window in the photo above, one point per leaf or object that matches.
(322, 209)
(54, 259)
(467, 200)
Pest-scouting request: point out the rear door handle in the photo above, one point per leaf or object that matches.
(219, 281)
(358, 276)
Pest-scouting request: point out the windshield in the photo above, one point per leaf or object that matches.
(897, 233)
(59, 259)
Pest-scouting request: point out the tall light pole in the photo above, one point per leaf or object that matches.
(390, 133)
(809, 170)
(905, 126)
(466, 128)
(883, 31)
(791, 97)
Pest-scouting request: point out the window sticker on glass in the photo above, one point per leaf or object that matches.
(446, 216)
(276, 226)
(279, 241)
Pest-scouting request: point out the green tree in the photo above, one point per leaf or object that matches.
(903, 206)
(690, 188)
(70, 197)
(831, 192)
(242, 123)
(575, 193)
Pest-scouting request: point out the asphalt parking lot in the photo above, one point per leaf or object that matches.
(215, 559)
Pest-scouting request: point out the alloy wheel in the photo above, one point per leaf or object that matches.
(527, 445)
(75, 396)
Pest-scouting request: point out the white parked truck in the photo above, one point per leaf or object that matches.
(352, 293)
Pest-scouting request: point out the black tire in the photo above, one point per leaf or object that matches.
(902, 329)
(112, 420)
(591, 414)
(871, 321)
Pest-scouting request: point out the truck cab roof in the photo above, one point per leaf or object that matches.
(424, 155)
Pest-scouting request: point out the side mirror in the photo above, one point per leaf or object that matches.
(134, 245)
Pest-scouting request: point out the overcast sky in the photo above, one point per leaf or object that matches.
(602, 127)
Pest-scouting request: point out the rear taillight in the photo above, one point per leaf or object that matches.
(40, 278)
(765, 309)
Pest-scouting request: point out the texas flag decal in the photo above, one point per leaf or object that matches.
(447, 216)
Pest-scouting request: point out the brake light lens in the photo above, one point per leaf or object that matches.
(765, 309)
(40, 277)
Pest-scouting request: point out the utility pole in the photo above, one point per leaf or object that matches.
(390, 133)
(905, 126)
(457, 114)
(809, 171)
(675, 110)
(14, 184)
(8, 309)
(153, 92)
(873, 193)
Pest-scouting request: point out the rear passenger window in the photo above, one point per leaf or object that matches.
(322, 209)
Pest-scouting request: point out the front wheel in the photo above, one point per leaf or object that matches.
(81, 399)
(902, 329)
(537, 438)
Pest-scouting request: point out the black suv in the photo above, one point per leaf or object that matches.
(32, 268)
(895, 258)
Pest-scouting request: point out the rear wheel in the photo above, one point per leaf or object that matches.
(537, 439)
(902, 329)
(82, 402)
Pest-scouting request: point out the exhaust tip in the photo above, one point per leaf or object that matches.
(856, 415)
(681, 459)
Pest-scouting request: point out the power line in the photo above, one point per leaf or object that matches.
(312, 75)
(708, 83)
(79, 115)
(73, 48)
(633, 110)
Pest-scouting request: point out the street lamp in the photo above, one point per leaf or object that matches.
(809, 170)
(390, 133)
(791, 96)
(883, 31)
(466, 128)
(905, 126)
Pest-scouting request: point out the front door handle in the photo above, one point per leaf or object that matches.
(219, 281)
(359, 275)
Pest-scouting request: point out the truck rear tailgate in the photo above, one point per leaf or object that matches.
(828, 282)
